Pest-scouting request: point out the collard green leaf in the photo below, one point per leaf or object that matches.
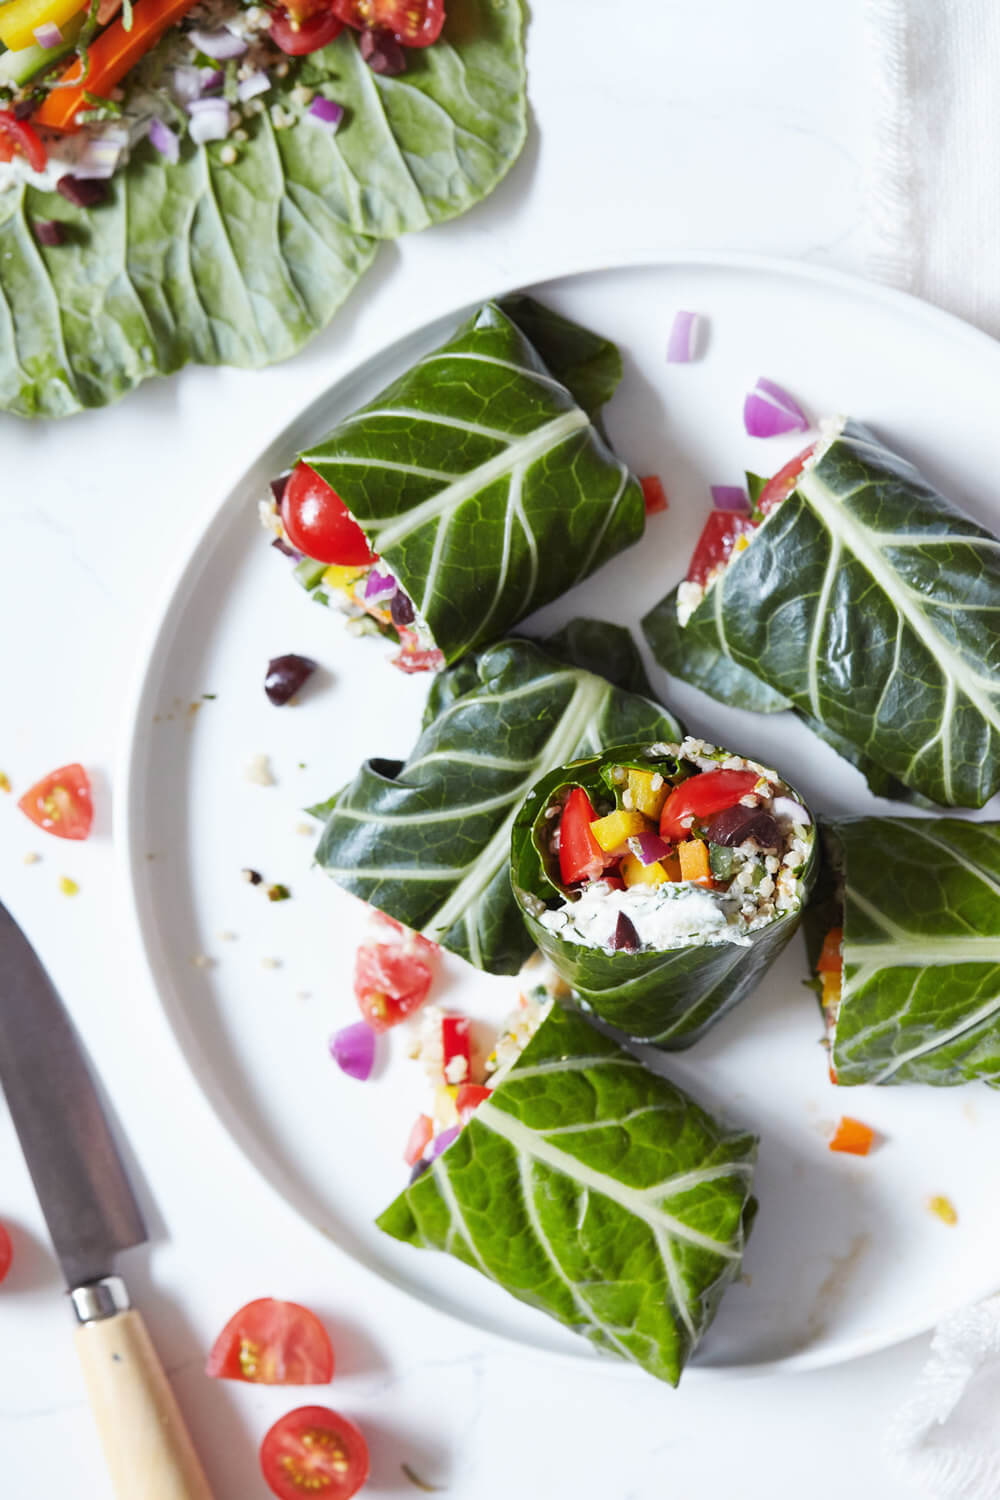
(595, 1191)
(482, 483)
(873, 606)
(588, 365)
(920, 907)
(669, 997)
(700, 657)
(428, 840)
(242, 264)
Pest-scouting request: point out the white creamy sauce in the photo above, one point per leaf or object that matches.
(669, 915)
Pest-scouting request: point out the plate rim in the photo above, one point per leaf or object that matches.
(155, 643)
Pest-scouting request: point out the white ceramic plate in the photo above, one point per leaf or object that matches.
(845, 1257)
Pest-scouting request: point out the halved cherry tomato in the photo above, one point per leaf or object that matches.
(298, 34)
(18, 135)
(273, 1343)
(852, 1136)
(414, 23)
(781, 486)
(60, 803)
(709, 792)
(468, 1099)
(314, 1452)
(6, 1252)
(831, 959)
(316, 520)
(390, 983)
(715, 545)
(653, 493)
(580, 855)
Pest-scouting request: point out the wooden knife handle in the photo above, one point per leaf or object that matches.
(149, 1452)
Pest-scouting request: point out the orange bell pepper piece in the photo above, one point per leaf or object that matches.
(852, 1136)
(831, 959)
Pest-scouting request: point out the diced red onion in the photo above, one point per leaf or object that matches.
(787, 807)
(188, 83)
(683, 339)
(730, 497)
(443, 1141)
(209, 120)
(221, 45)
(649, 847)
(327, 111)
(211, 79)
(379, 586)
(249, 88)
(768, 410)
(353, 1050)
(101, 154)
(165, 140)
(48, 35)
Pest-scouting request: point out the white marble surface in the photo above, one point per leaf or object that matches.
(723, 126)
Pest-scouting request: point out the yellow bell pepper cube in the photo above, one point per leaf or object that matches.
(831, 990)
(19, 18)
(445, 1110)
(634, 872)
(612, 831)
(338, 577)
(694, 860)
(646, 798)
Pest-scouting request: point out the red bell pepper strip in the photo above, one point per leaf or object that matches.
(653, 494)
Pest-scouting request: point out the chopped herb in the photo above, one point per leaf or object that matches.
(278, 893)
(421, 1484)
(67, 886)
(252, 877)
(103, 107)
(210, 695)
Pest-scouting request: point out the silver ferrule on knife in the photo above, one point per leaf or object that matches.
(100, 1299)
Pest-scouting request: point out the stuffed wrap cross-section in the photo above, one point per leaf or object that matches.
(595, 1191)
(857, 595)
(474, 489)
(904, 939)
(661, 881)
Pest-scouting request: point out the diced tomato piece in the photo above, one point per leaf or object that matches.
(6, 1252)
(468, 1099)
(299, 34)
(425, 660)
(414, 23)
(60, 803)
(852, 1136)
(314, 1452)
(580, 855)
(699, 796)
(783, 483)
(18, 135)
(455, 1047)
(420, 1138)
(831, 959)
(715, 545)
(272, 1342)
(390, 983)
(653, 493)
(405, 936)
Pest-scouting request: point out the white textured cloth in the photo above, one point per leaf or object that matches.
(945, 1440)
(934, 198)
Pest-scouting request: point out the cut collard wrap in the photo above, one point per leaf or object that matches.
(596, 1191)
(694, 947)
(480, 479)
(428, 840)
(918, 903)
(870, 605)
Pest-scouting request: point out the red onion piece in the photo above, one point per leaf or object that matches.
(649, 847)
(101, 154)
(327, 111)
(48, 35)
(48, 231)
(211, 79)
(221, 45)
(209, 120)
(443, 1141)
(256, 83)
(187, 83)
(768, 410)
(379, 586)
(787, 807)
(353, 1050)
(683, 339)
(730, 497)
(165, 140)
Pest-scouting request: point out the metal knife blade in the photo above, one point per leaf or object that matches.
(81, 1184)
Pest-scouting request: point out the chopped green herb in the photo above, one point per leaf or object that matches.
(210, 695)
(278, 893)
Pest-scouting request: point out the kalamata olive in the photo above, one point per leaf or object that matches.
(401, 609)
(737, 824)
(626, 939)
(419, 1168)
(278, 487)
(283, 547)
(47, 231)
(382, 53)
(85, 192)
(285, 675)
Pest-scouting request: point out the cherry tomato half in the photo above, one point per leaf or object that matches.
(390, 984)
(318, 523)
(580, 855)
(273, 1343)
(18, 135)
(60, 803)
(6, 1252)
(715, 545)
(297, 37)
(783, 483)
(414, 23)
(699, 796)
(314, 1452)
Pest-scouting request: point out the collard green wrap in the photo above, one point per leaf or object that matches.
(595, 1191)
(919, 903)
(669, 997)
(871, 605)
(428, 840)
(483, 483)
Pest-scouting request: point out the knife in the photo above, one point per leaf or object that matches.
(92, 1214)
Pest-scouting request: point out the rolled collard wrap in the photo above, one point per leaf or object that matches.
(661, 881)
(597, 1192)
(867, 602)
(482, 483)
(427, 840)
(904, 936)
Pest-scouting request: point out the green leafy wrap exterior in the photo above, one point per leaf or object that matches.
(871, 605)
(596, 1191)
(667, 997)
(483, 483)
(428, 840)
(919, 903)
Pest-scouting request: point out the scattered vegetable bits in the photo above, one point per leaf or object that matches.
(314, 1451)
(271, 1342)
(942, 1208)
(353, 1050)
(653, 494)
(61, 803)
(852, 1136)
(392, 979)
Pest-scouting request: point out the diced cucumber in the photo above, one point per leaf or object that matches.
(724, 862)
(17, 67)
(309, 572)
